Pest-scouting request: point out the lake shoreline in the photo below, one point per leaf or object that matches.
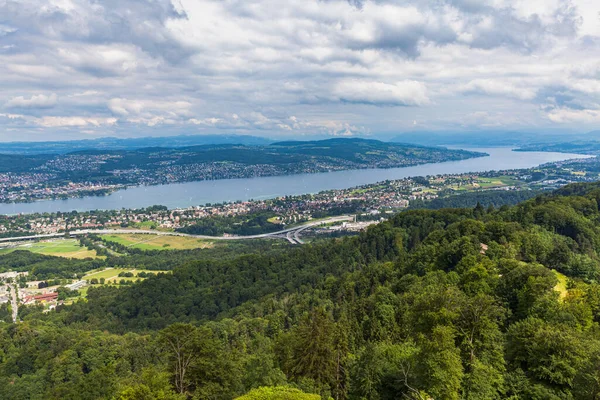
(182, 195)
(117, 188)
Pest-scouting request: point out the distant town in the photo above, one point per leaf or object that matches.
(368, 200)
(26, 178)
(367, 204)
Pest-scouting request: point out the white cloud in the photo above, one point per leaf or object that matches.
(35, 101)
(565, 116)
(62, 121)
(337, 66)
(499, 88)
(59, 122)
(150, 112)
(205, 121)
(404, 93)
(5, 30)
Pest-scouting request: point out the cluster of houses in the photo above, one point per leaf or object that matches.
(49, 295)
(34, 291)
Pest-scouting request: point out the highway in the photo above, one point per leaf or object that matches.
(291, 234)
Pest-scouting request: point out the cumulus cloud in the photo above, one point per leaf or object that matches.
(500, 88)
(110, 21)
(54, 122)
(404, 93)
(150, 112)
(35, 101)
(62, 121)
(566, 115)
(297, 67)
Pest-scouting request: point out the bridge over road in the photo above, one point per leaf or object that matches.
(291, 234)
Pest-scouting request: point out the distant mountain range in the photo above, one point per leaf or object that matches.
(535, 141)
(591, 147)
(584, 143)
(493, 138)
(110, 143)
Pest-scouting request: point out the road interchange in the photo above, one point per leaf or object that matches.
(291, 234)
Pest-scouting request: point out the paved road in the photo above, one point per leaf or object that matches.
(297, 234)
(83, 232)
(289, 237)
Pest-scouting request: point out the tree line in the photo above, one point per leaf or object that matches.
(470, 303)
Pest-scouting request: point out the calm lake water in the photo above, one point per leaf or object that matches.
(198, 193)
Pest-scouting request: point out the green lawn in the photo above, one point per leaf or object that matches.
(68, 248)
(158, 242)
(497, 181)
(487, 183)
(111, 275)
(83, 292)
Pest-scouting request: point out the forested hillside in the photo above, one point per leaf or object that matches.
(182, 163)
(473, 303)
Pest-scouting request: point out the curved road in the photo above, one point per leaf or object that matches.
(82, 232)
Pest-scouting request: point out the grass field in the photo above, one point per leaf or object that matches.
(146, 225)
(157, 242)
(68, 248)
(274, 220)
(497, 182)
(111, 275)
(488, 183)
(83, 292)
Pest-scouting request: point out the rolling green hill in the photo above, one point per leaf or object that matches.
(221, 161)
(468, 303)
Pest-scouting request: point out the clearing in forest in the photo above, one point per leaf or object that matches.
(158, 242)
(111, 275)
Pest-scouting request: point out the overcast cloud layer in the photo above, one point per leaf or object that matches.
(295, 68)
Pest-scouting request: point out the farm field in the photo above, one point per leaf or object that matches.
(157, 242)
(111, 275)
(488, 183)
(497, 182)
(67, 248)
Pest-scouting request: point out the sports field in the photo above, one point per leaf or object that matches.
(158, 242)
(68, 248)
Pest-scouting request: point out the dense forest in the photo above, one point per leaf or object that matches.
(469, 303)
(494, 198)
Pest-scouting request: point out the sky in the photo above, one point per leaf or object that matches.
(81, 69)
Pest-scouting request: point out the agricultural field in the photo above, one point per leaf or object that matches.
(488, 183)
(497, 182)
(111, 275)
(67, 248)
(158, 242)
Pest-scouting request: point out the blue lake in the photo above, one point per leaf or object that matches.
(198, 193)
